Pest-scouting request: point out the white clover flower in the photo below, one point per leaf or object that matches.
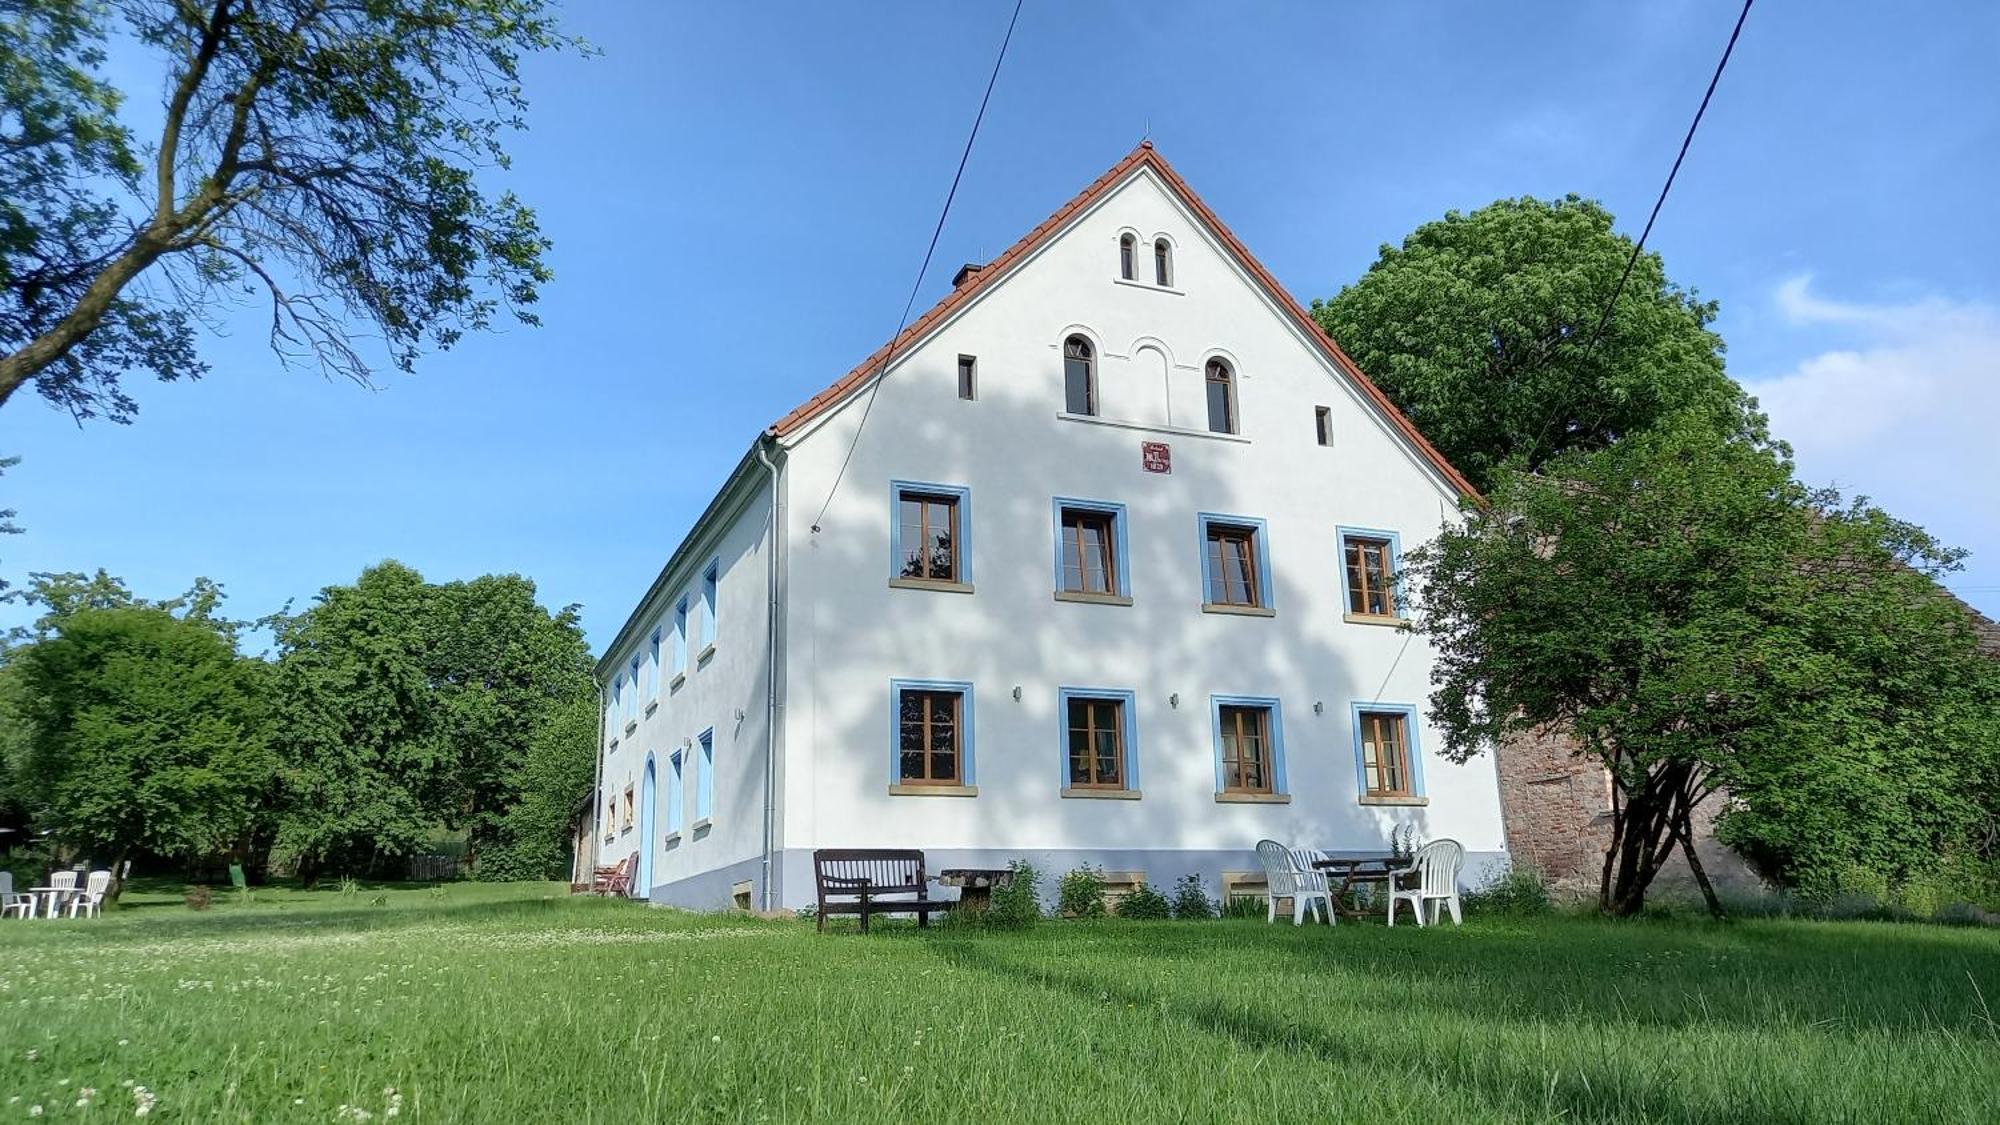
(35, 1110)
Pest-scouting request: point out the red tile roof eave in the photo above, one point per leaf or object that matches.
(998, 267)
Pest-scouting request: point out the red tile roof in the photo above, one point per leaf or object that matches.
(990, 274)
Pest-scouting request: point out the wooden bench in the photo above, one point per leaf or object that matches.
(613, 880)
(859, 881)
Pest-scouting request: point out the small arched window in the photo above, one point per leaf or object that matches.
(1163, 263)
(1221, 398)
(1079, 377)
(1128, 257)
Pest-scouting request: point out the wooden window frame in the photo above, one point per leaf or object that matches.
(1267, 757)
(1111, 560)
(968, 378)
(1380, 777)
(926, 501)
(1218, 372)
(1120, 732)
(1357, 585)
(1221, 529)
(628, 809)
(958, 740)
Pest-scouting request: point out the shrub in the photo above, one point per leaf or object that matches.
(1146, 904)
(1520, 889)
(199, 898)
(1016, 903)
(1080, 892)
(1191, 899)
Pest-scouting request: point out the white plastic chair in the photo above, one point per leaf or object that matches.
(19, 905)
(92, 896)
(1290, 874)
(1436, 867)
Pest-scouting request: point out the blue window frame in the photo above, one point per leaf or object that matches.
(680, 635)
(704, 775)
(653, 665)
(710, 576)
(1237, 741)
(1099, 744)
(1235, 561)
(916, 713)
(618, 700)
(930, 533)
(1091, 559)
(675, 793)
(1370, 562)
(1378, 744)
(632, 672)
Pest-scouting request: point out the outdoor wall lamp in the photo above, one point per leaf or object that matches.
(1174, 700)
(1318, 707)
(1017, 693)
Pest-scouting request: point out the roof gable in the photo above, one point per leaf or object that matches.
(972, 282)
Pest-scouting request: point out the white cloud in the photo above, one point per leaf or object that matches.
(1906, 409)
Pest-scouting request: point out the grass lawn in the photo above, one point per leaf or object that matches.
(515, 1003)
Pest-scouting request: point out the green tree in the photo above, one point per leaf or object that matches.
(503, 667)
(327, 154)
(531, 839)
(145, 732)
(1701, 622)
(1478, 328)
(362, 739)
(410, 707)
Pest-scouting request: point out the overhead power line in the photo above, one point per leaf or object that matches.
(1638, 247)
(915, 287)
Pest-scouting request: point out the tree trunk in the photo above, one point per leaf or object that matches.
(1685, 830)
(1643, 835)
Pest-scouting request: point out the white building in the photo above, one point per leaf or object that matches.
(1100, 581)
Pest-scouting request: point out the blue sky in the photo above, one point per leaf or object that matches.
(740, 196)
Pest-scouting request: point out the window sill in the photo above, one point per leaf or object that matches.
(631, 725)
(934, 791)
(1374, 619)
(701, 825)
(624, 830)
(706, 654)
(1089, 794)
(652, 705)
(930, 584)
(1092, 599)
(1149, 286)
(1253, 798)
(1239, 610)
(674, 684)
(1368, 799)
(613, 748)
(670, 839)
(1149, 427)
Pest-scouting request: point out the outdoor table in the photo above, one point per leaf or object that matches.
(975, 884)
(1377, 868)
(53, 898)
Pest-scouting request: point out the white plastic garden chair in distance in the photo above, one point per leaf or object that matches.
(92, 896)
(1436, 867)
(1289, 874)
(18, 905)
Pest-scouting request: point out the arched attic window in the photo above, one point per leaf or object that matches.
(1128, 257)
(1163, 263)
(1221, 398)
(1079, 377)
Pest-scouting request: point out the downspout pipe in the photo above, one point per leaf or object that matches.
(773, 542)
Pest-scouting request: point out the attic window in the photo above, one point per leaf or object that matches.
(1079, 377)
(1163, 263)
(1128, 254)
(968, 377)
(1323, 424)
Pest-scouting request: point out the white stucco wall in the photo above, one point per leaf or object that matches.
(849, 633)
(700, 866)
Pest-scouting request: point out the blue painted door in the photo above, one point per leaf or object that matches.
(642, 887)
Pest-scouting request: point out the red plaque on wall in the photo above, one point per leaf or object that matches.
(1156, 457)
